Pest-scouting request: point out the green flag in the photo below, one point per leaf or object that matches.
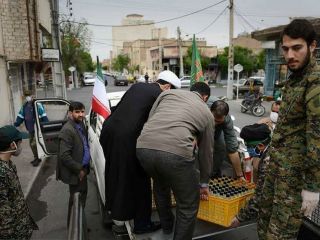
(196, 69)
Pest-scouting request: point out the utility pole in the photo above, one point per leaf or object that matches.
(230, 55)
(180, 52)
(59, 84)
(160, 50)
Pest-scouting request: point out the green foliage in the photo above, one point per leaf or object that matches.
(105, 67)
(261, 59)
(244, 56)
(120, 62)
(187, 60)
(75, 46)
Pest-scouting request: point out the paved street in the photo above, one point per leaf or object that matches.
(48, 198)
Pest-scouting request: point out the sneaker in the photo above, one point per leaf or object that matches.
(152, 227)
(36, 162)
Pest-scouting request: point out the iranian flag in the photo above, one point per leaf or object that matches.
(100, 103)
(196, 69)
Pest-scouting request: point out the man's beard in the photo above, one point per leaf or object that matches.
(305, 62)
(78, 120)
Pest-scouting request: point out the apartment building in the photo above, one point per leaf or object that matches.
(25, 28)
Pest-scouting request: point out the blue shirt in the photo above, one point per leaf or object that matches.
(86, 152)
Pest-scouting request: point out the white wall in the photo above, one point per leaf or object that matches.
(5, 105)
(44, 14)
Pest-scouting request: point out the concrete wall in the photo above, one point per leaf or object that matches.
(248, 42)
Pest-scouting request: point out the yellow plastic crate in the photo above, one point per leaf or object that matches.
(222, 210)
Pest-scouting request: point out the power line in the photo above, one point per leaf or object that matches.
(150, 23)
(245, 20)
(212, 21)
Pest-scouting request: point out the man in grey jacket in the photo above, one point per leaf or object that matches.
(225, 141)
(178, 122)
(74, 155)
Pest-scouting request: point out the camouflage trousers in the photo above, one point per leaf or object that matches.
(279, 211)
(33, 145)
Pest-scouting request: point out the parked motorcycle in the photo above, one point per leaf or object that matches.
(253, 103)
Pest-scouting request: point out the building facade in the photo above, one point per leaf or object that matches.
(246, 41)
(134, 27)
(170, 57)
(25, 27)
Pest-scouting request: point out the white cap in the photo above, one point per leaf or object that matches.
(170, 77)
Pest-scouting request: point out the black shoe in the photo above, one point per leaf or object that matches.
(152, 227)
(36, 162)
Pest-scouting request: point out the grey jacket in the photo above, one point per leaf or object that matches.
(176, 119)
(70, 153)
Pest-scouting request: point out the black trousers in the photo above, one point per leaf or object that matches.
(170, 171)
(82, 188)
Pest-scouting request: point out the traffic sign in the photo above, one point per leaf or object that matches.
(71, 69)
(238, 68)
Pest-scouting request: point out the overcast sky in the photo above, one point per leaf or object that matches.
(249, 15)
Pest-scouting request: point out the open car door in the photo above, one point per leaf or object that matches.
(47, 129)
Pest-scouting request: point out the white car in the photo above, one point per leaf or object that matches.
(47, 135)
(88, 79)
(185, 81)
(141, 79)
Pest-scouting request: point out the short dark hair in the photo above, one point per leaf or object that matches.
(76, 106)
(202, 88)
(220, 108)
(163, 82)
(300, 28)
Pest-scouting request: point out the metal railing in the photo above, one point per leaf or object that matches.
(77, 226)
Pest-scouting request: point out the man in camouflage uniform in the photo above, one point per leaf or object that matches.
(292, 182)
(15, 220)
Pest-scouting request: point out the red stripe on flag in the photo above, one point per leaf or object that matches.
(99, 108)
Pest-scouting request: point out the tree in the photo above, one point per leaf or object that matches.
(244, 56)
(75, 46)
(105, 67)
(120, 62)
(187, 60)
(261, 59)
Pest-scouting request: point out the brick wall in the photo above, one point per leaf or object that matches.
(20, 35)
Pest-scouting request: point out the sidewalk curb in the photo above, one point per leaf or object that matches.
(34, 177)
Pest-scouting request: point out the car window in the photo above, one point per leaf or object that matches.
(246, 83)
(121, 78)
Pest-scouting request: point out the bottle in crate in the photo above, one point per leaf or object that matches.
(247, 166)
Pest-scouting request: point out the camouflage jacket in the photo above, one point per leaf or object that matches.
(250, 210)
(15, 220)
(296, 138)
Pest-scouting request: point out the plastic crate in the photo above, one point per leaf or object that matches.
(222, 210)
